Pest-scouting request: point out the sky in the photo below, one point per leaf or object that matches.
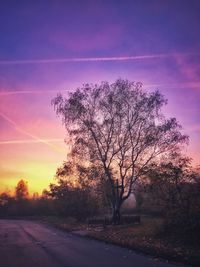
(53, 46)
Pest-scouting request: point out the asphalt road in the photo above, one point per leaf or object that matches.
(28, 243)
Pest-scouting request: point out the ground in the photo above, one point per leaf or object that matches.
(31, 243)
(146, 237)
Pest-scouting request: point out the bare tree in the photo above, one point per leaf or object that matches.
(120, 127)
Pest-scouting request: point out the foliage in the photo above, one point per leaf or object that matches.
(71, 197)
(21, 190)
(174, 188)
(120, 128)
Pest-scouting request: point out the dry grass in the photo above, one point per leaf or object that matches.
(146, 238)
(67, 224)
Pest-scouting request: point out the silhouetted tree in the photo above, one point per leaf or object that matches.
(71, 198)
(120, 127)
(21, 190)
(4, 198)
(5, 202)
(173, 188)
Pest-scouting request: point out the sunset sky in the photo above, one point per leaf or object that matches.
(50, 46)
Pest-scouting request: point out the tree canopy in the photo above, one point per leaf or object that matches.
(21, 190)
(121, 128)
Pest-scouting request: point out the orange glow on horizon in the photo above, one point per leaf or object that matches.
(32, 144)
(33, 162)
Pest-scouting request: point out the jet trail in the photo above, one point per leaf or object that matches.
(94, 59)
(34, 137)
(30, 141)
(171, 85)
(7, 93)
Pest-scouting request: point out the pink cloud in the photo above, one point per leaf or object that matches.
(32, 117)
(188, 68)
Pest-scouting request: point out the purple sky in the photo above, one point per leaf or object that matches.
(51, 46)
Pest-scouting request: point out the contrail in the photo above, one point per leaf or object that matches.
(173, 85)
(19, 129)
(29, 141)
(5, 93)
(91, 59)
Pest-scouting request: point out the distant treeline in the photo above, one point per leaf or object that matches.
(62, 200)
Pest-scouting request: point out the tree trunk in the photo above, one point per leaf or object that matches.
(116, 218)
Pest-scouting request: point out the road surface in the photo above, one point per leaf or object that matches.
(30, 243)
